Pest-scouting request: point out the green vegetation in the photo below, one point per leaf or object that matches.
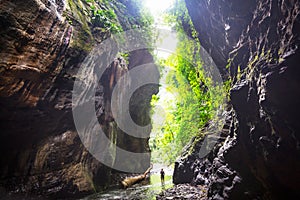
(103, 17)
(197, 97)
(76, 16)
(96, 20)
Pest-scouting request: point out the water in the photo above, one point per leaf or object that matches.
(146, 190)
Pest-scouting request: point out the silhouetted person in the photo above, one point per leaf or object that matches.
(162, 176)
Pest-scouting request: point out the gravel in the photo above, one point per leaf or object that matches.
(184, 191)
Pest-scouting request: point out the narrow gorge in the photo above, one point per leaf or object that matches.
(45, 43)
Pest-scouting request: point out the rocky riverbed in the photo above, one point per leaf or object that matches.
(184, 191)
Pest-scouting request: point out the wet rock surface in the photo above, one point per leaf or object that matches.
(258, 41)
(43, 44)
(184, 191)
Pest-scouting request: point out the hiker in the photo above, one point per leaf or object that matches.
(162, 176)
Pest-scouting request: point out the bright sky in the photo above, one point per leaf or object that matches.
(165, 45)
(167, 42)
(158, 6)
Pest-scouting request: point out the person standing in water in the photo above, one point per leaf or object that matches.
(162, 176)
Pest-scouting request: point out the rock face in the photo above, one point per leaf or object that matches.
(259, 42)
(43, 44)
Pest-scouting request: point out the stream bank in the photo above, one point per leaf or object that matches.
(148, 189)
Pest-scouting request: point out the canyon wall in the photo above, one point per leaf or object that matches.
(43, 44)
(256, 44)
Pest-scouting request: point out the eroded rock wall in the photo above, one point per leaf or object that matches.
(258, 41)
(43, 44)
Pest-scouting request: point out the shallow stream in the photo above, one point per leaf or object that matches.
(146, 190)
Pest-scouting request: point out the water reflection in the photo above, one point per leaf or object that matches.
(143, 190)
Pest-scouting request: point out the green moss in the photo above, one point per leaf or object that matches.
(89, 15)
(77, 15)
(253, 61)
